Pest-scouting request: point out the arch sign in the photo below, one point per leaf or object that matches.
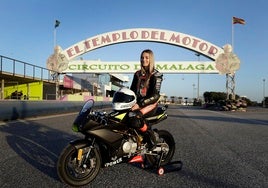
(65, 61)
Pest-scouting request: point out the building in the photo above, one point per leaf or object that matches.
(24, 81)
(104, 85)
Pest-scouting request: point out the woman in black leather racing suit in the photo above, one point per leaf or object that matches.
(146, 85)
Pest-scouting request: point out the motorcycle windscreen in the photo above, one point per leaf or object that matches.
(81, 119)
(87, 106)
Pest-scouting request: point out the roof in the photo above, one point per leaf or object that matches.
(121, 77)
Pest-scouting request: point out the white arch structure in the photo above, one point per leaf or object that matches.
(224, 62)
(186, 41)
(141, 35)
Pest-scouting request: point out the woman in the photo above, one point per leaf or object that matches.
(146, 85)
(146, 82)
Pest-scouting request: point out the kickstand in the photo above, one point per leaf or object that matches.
(169, 167)
(159, 160)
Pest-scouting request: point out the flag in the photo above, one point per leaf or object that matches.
(57, 23)
(238, 21)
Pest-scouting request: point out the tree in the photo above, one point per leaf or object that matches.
(215, 97)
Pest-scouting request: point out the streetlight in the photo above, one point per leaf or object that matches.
(198, 58)
(263, 92)
(193, 90)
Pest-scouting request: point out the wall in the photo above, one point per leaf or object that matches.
(19, 109)
(32, 91)
(83, 96)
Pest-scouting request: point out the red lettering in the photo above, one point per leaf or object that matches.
(115, 36)
(145, 34)
(139, 34)
(95, 42)
(195, 41)
(70, 52)
(213, 50)
(77, 50)
(162, 36)
(203, 47)
(186, 40)
(87, 44)
(134, 34)
(174, 38)
(105, 39)
(124, 36)
(154, 35)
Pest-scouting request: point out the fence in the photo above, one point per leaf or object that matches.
(19, 68)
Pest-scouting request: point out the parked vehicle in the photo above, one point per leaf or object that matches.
(110, 140)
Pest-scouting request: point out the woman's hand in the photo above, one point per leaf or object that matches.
(135, 107)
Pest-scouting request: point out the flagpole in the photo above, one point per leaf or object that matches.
(57, 74)
(232, 35)
(232, 77)
(57, 23)
(55, 35)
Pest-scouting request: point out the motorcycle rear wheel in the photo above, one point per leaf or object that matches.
(164, 137)
(71, 173)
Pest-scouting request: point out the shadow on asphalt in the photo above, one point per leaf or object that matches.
(37, 144)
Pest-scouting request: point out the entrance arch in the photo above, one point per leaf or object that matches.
(227, 62)
(189, 42)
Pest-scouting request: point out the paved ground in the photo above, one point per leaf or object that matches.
(218, 149)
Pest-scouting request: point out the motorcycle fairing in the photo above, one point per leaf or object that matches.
(78, 144)
(107, 135)
(118, 116)
(158, 116)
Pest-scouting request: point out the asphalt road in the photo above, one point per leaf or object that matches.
(218, 149)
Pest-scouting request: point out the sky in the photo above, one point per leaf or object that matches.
(27, 34)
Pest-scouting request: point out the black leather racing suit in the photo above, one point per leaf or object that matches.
(146, 97)
(153, 90)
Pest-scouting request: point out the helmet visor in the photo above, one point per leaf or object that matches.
(122, 97)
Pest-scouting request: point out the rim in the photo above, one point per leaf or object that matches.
(76, 172)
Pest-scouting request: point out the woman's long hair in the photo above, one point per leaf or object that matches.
(147, 73)
(151, 65)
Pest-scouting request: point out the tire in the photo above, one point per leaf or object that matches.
(167, 138)
(71, 173)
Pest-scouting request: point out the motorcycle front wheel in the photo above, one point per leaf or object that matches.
(166, 140)
(72, 172)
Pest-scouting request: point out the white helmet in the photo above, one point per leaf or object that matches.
(123, 99)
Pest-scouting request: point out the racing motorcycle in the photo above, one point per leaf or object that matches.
(110, 140)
